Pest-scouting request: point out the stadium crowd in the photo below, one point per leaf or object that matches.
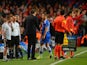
(20, 10)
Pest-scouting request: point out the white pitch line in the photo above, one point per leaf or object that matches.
(80, 53)
(68, 58)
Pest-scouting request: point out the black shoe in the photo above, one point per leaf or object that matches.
(62, 57)
(71, 56)
(16, 57)
(33, 58)
(55, 58)
(50, 57)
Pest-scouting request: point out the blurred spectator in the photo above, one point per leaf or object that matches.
(22, 8)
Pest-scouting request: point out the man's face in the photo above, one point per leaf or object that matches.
(43, 16)
(11, 18)
(84, 12)
(73, 14)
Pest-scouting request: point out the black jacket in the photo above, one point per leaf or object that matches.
(31, 24)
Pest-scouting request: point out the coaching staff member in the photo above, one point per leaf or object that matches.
(31, 25)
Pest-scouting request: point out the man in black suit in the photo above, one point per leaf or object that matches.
(31, 25)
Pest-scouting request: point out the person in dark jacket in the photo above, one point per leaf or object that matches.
(31, 26)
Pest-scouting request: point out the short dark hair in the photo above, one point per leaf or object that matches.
(32, 11)
(69, 13)
(62, 12)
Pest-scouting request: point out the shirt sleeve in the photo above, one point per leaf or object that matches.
(46, 23)
(37, 23)
(3, 31)
(19, 31)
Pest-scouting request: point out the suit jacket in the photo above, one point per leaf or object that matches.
(30, 25)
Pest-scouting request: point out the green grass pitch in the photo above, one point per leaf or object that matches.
(77, 60)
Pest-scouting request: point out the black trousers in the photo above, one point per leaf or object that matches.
(31, 46)
(15, 41)
(31, 50)
(85, 42)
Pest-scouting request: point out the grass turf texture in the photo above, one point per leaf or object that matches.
(78, 60)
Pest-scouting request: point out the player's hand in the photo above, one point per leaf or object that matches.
(5, 39)
(43, 37)
(20, 39)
